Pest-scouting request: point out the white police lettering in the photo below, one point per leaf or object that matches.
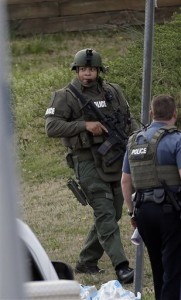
(100, 104)
(139, 151)
(50, 111)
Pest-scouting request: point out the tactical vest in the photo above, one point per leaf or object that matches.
(145, 171)
(84, 140)
(85, 145)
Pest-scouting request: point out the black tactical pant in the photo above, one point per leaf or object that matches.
(160, 228)
(106, 201)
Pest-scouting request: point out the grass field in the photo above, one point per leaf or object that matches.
(39, 66)
(61, 225)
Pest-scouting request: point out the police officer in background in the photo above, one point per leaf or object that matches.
(83, 133)
(152, 167)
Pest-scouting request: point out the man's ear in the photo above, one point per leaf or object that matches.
(151, 114)
(175, 114)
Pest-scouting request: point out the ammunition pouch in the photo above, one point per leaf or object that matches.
(110, 163)
(71, 142)
(159, 195)
(82, 155)
(80, 141)
(83, 140)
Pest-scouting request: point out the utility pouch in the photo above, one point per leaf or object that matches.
(112, 161)
(72, 142)
(158, 195)
(69, 159)
(97, 139)
(107, 173)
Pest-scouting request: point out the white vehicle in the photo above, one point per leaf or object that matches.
(47, 279)
(25, 274)
(38, 263)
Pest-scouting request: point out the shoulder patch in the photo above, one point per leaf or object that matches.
(50, 111)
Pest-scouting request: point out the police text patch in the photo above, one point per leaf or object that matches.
(139, 151)
(100, 104)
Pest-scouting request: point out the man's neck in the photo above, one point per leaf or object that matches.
(167, 122)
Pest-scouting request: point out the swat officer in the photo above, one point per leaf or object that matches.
(83, 133)
(152, 166)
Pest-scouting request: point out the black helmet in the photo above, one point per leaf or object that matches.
(87, 58)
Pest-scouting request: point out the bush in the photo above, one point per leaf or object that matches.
(166, 71)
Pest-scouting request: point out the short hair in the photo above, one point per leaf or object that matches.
(163, 107)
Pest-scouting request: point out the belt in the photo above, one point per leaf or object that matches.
(149, 196)
(155, 196)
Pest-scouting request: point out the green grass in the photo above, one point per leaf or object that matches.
(40, 65)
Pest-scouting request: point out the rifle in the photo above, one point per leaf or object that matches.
(77, 191)
(115, 126)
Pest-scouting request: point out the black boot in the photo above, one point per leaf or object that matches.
(87, 269)
(125, 274)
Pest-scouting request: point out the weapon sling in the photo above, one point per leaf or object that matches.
(115, 137)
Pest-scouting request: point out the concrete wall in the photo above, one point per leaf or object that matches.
(51, 16)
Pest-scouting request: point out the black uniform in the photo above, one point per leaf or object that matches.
(157, 213)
